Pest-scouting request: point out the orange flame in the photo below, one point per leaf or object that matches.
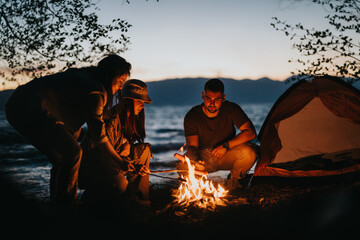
(182, 148)
(199, 192)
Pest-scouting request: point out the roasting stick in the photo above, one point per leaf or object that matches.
(168, 171)
(181, 158)
(172, 178)
(179, 170)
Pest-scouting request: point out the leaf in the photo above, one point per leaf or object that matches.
(336, 45)
(54, 34)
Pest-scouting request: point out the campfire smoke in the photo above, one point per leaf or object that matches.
(199, 192)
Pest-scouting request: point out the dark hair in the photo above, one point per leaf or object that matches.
(109, 68)
(132, 125)
(214, 85)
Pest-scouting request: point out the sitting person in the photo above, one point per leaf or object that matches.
(104, 180)
(211, 138)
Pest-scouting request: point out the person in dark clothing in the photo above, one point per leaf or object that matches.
(211, 138)
(106, 183)
(50, 111)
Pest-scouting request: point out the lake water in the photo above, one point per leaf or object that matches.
(30, 170)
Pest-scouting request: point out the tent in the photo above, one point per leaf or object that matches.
(313, 129)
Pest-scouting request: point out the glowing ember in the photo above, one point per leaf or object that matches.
(199, 192)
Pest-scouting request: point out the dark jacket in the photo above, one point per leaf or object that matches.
(71, 98)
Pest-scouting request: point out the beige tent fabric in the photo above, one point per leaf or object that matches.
(338, 129)
(315, 130)
(293, 100)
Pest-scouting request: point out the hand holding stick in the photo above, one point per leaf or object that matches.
(180, 157)
(199, 166)
(144, 170)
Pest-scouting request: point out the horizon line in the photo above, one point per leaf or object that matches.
(171, 78)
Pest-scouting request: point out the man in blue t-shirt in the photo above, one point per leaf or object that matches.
(211, 138)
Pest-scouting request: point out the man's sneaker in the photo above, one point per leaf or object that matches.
(233, 183)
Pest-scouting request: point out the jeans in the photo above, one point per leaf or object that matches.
(57, 143)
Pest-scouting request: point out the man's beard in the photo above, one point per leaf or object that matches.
(212, 110)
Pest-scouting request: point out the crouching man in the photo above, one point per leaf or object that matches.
(211, 138)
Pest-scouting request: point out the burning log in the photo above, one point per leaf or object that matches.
(199, 192)
(195, 189)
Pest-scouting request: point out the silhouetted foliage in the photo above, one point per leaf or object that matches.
(333, 51)
(42, 36)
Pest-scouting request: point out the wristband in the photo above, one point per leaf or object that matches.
(226, 146)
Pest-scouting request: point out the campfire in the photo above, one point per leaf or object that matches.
(198, 191)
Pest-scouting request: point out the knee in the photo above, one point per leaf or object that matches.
(120, 183)
(73, 157)
(247, 153)
(146, 156)
(250, 152)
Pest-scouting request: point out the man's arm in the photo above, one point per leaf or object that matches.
(192, 146)
(192, 141)
(247, 133)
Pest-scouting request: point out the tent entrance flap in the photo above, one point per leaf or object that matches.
(313, 129)
(303, 135)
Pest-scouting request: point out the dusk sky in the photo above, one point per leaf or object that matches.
(211, 38)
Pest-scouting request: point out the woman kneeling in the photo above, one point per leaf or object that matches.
(106, 181)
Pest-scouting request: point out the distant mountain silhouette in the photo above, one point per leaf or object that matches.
(187, 91)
